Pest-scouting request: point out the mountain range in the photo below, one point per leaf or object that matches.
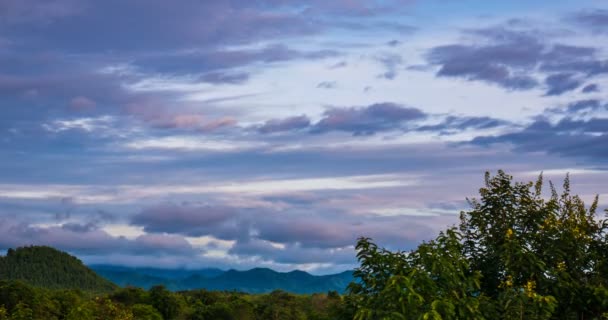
(257, 280)
(50, 268)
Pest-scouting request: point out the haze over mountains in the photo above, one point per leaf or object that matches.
(257, 280)
(50, 268)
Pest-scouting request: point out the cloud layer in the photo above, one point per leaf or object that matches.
(275, 133)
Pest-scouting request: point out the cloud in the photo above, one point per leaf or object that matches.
(506, 57)
(595, 20)
(286, 124)
(338, 65)
(293, 254)
(590, 88)
(393, 43)
(391, 62)
(40, 11)
(206, 23)
(504, 61)
(579, 107)
(573, 138)
(88, 239)
(367, 120)
(188, 220)
(326, 85)
(81, 103)
(454, 124)
(265, 228)
(225, 78)
(560, 83)
(214, 61)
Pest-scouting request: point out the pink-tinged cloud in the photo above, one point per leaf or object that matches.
(81, 103)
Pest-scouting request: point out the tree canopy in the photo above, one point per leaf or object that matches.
(515, 255)
(50, 268)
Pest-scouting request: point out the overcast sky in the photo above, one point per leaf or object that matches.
(274, 133)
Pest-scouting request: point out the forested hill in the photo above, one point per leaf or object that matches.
(258, 280)
(49, 268)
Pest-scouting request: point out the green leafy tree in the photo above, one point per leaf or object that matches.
(280, 305)
(165, 302)
(432, 282)
(553, 249)
(515, 255)
(108, 310)
(145, 312)
(22, 312)
(85, 311)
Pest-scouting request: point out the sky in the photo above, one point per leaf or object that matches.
(274, 133)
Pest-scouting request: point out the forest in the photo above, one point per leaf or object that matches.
(522, 251)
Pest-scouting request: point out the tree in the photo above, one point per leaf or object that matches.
(554, 249)
(432, 282)
(22, 312)
(145, 312)
(165, 302)
(515, 255)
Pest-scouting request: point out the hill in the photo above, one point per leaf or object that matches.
(258, 280)
(49, 268)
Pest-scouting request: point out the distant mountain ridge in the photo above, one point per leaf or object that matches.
(257, 280)
(47, 267)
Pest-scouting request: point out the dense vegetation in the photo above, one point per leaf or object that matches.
(258, 280)
(515, 255)
(19, 301)
(49, 268)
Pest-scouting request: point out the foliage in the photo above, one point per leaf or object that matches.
(49, 268)
(515, 255)
(21, 301)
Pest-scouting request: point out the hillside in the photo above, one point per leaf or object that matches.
(258, 280)
(47, 267)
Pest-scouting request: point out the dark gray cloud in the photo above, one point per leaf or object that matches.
(560, 83)
(190, 220)
(505, 60)
(596, 20)
(567, 58)
(221, 78)
(590, 88)
(454, 124)
(93, 26)
(89, 239)
(111, 23)
(584, 139)
(221, 59)
(377, 118)
(28, 11)
(356, 120)
(392, 63)
(580, 107)
(293, 254)
(368, 120)
(338, 65)
(506, 57)
(340, 230)
(393, 43)
(327, 85)
(286, 124)
(293, 227)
